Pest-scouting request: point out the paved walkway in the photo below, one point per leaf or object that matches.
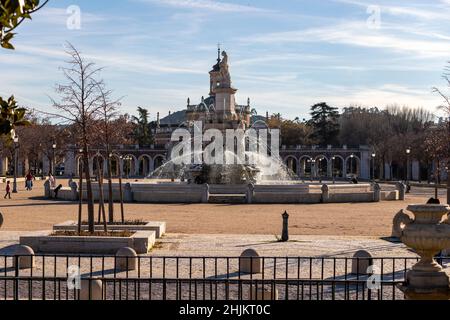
(267, 245)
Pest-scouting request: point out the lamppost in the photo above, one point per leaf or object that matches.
(128, 159)
(16, 160)
(373, 166)
(351, 164)
(332, 169)
(320, 169)
(53, 159)
(408, 153)
(311, 162)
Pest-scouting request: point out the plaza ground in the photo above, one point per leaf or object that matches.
(29, 211)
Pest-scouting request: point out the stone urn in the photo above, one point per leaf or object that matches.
(428, 234)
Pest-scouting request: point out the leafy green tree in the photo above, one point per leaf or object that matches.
(12, 14)
(293, 132)
(324, 120)
(12, 116)
(142, 132)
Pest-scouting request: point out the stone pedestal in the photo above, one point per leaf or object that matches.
(427, 234)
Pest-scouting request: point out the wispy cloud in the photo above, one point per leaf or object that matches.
(428, 12)
(356, 33)
(209, 5)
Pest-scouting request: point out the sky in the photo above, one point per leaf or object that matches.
(284, 55)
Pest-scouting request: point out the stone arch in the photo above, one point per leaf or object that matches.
(305, 166)
(144, 165)
(129, 165)
(321, 166)
(291, 163)
(337, 166)
(101, 161)
(158, 161)
(115, 165)
(353, 165)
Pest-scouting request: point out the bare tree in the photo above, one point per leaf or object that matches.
(108, 113)
(446, 108)
(79, 105)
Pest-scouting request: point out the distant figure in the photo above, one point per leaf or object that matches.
(56, 190)
(8, 190)
(52, 181)
(29, 181)
(433, 201)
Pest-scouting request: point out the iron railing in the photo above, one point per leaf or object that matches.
(206, 278)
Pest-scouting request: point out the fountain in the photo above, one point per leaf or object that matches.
(428, 234)
(246, 166)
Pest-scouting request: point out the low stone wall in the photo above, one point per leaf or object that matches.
(141, 242)
(284, 194)
(167, 193)
(267, 193)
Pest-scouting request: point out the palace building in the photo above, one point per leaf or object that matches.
(219, 110)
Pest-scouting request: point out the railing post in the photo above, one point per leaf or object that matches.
(16, 277)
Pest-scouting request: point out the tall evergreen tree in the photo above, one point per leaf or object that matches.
(324, 120)
(142, 131)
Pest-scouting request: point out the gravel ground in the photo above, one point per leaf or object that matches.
(28, 211)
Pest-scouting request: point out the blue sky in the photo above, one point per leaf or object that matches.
(284, 55)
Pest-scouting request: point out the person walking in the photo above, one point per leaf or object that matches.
(29, 181)
(52, 181)
(8, 190)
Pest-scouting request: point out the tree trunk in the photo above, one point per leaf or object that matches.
(110, 191)
(101, 201)
(80, 200)
(90, 198)
(448, 163)
(448, 182)
(436, 180)
(121, 194)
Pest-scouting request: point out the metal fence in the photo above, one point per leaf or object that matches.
(205, 278)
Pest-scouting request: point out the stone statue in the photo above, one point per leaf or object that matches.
(225, 73)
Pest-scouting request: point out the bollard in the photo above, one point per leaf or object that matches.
(361, 261)
(23, 257)
(325, 193)
(260, 293)
(285, 231)
(126, 259)
(91, 289)
(205, 197)
(250, 262)
(127, 193)
(401, 190)
(376, 192)
(250, 193)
